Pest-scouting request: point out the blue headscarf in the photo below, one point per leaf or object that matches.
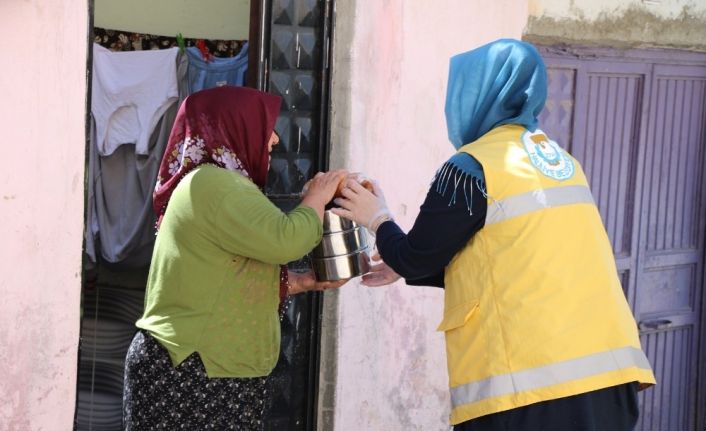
(503, 82)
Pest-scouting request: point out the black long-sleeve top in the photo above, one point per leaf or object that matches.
(453, 211)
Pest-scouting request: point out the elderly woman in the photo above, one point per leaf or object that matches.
(539, 335)
(210, 330)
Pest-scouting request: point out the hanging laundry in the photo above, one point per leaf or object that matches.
(130, 93)
(120, 220)
(182, 76)
(217, 71)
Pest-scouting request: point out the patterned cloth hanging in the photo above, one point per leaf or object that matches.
(117, 40)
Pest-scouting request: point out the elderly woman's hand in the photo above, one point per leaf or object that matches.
(320, 190)
(305, 282)
(366, 208)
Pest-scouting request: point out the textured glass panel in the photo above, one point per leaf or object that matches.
(288, 174)
(283, 127)
(308, 13)
(278, 179)
(306, 50)
(302, 172)
(283, 12)
(303, 92)
(304, 136)
(283, 49)
(280, 85)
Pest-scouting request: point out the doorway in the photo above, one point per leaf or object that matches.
(288, 53)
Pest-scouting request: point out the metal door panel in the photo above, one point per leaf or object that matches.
(671, 249)
(668, 287)
(665, 406)
(608, 143)
(638, 129)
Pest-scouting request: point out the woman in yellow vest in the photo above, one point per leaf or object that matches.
(539, 335)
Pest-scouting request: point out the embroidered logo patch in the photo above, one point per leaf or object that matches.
(547, 156)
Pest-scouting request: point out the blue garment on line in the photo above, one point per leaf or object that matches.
(503, 82)
(216, 72)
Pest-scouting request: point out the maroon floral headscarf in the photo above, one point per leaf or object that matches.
(224, 126)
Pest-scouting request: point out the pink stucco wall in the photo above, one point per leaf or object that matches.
(390, 70)
(43, 87)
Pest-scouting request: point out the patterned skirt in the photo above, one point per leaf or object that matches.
(159, 396)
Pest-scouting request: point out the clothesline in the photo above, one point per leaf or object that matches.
(118, 40)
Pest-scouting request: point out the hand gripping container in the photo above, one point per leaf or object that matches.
(343, 250)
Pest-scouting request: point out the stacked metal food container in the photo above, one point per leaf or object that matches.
(343, 250)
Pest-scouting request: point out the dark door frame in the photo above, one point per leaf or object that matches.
(256, 43)
(258, 77)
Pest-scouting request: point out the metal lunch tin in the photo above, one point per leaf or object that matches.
(342, 252)
(341, 267)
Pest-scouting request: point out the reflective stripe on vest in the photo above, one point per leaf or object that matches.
(548, 375)
(535, 200)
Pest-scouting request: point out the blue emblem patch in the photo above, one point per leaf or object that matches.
(547, 156)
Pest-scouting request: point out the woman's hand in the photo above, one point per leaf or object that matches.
(320, 190)
(380, 275)
(306, 282)
(366, 208)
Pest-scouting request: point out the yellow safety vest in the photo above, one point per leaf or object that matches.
(534, 309)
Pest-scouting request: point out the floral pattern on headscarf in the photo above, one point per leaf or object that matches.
(192, 151)
(189, 150)
(225, 157)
